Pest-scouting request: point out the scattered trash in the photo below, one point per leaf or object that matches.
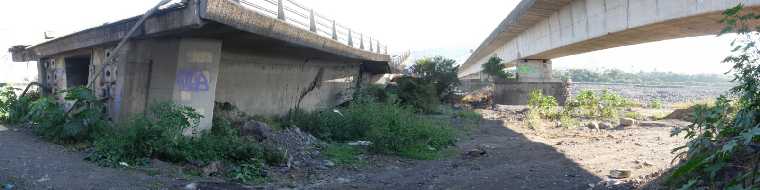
(43, 179)
(8, 186)
(620, 174)
(191, 186)
(625, 122)
(360, 143)
(593, 125)
(338, 112)
(124, 164)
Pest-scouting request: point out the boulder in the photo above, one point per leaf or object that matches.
(626, 122)
(258, 130)
(592, 125)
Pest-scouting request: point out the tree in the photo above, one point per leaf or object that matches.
(495, 68)
(439, 71)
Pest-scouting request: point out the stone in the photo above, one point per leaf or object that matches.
(212, 168)
(329, 163)
(191, 186)
(477, 152)
(604, 125)
(626, 122)
(620, 174)
(258, 130)
(343, 180)
(592, 125)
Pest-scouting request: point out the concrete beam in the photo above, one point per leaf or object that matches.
(241, 18)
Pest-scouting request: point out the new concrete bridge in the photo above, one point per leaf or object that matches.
(265, 57)
(540, 30)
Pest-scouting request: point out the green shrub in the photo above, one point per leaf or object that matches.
(392, 129)
(655, 104)
(469, 115)
(13, 109)
(605, 105)
(495, 68)
(439, 71)
(545, 106)
(418, 93)
(253, 171)
(151, 136)
(81, 123)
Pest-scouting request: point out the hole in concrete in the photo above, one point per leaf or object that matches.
(77, 70)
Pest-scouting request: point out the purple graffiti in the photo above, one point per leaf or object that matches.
(192, 80)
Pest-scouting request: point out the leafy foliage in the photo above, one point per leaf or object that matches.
(439, 71)
(495, 68)
(604, 105)
(545, 106)
(392, 128)
(81, 123)
(13, 109)
(417, 93)
(723, 148)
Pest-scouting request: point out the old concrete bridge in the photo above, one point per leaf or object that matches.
(264, 56)
(540, 30)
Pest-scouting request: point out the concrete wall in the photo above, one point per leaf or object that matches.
(271, 83)
(517, 93)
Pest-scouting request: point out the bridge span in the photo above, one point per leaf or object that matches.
(539, 30)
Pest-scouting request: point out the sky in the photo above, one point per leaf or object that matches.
(416, 25)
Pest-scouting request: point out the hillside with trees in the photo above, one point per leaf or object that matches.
(654, 77)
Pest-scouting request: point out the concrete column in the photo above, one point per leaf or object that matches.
(534, 70)
(196, 76)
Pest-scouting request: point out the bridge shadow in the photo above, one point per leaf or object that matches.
(511, 161)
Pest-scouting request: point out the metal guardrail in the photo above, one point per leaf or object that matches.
(307, 19)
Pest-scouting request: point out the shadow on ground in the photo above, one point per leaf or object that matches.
(512, 162)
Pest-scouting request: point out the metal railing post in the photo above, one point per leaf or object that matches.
(350, 38)
(361, 41)
(371, 48)
(312, 21)
(334, 31)
(378, 47)
(280, 10)
(386, 49)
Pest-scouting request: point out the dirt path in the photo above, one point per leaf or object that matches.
(521, 158)
(26, 162)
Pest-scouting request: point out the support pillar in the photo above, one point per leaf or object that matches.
(196, 78)
(534, 70)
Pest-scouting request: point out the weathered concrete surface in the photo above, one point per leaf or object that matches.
(517, 93)
(546, 29)
(271, 83)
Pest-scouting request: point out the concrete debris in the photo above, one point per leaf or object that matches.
(212, 168)
(258, 130)
(343, 180)
(593, 125)
(299, 147)
(620, 174)
(360, 143)
(627, 122)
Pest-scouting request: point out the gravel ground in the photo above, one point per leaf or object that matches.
(667, 94)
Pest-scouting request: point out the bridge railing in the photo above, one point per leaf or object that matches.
(308, 19)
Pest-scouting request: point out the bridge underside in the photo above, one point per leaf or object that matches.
(538, 30)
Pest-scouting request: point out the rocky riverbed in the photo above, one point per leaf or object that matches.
(667, 94)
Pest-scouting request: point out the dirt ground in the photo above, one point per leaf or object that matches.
(515, 157)
(521, 158)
